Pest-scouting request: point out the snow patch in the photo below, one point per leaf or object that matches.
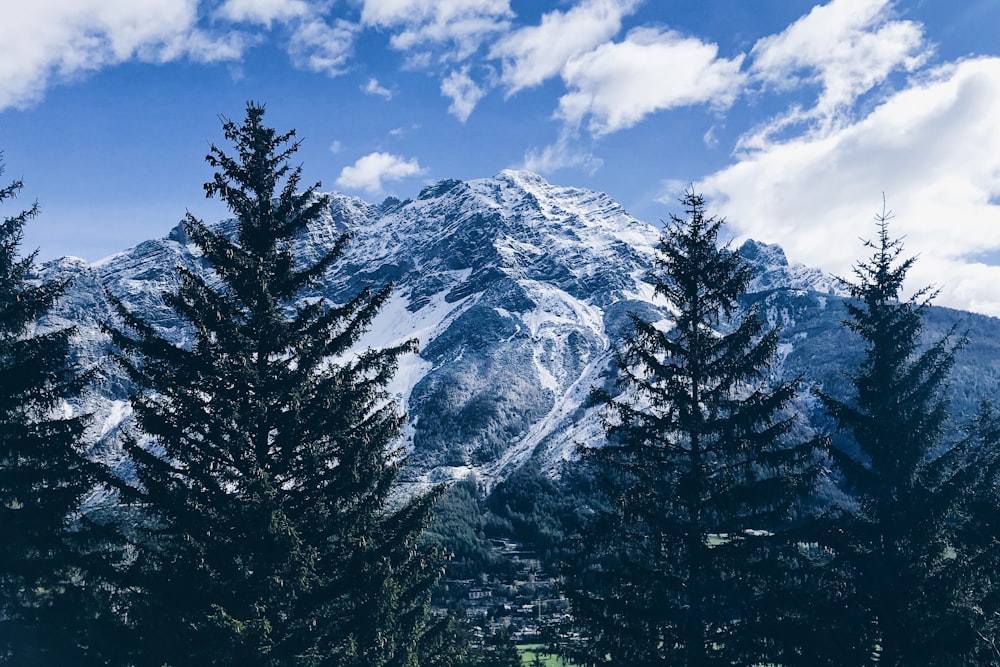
(119, 411)
(545, 376)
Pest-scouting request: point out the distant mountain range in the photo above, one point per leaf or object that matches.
(517, 290)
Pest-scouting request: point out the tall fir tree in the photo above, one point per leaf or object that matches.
(265, 457)
(694, 561)
(895, 546)
(43, 472)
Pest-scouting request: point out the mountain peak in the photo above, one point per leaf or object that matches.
(763, 254)
(516, 289)
(772, 270)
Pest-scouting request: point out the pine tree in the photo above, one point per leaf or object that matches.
(976, 534)
(896, 547)
(265, 458)
(498, 650)
(42, 471)
(692, 563)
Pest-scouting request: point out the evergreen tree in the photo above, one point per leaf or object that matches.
(976, 528)
(895, 547)
(497, 651)
(265, 457)
(693, 562)
(446, 642)
(42, 471)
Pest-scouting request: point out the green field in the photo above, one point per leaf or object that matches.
(529, 651)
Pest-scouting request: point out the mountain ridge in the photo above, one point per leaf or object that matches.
(516, 289)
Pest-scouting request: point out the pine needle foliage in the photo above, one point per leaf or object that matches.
(895, 547)
(265, 456)
(693, 561)
(43, 473)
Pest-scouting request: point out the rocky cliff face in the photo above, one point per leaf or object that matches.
(517, 291)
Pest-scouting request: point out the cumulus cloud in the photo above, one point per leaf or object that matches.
(845, 48)
(933, 149)
(262, 11)
(464, 93)
(618, 84)
(532, 54)
(46, 41)
(373, 87)
(460, 23)
(369, 172)
(49, 41)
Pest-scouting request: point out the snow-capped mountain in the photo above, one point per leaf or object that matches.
(517, 291)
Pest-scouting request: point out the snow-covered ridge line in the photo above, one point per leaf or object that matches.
(514, 287)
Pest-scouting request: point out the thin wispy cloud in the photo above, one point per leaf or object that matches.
(264, 12)
(844, 49)
(565, 153)
(323, 47)
(461, 25)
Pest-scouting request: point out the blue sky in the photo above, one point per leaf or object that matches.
(792, 117)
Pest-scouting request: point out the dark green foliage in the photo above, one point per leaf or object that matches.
(265, 459)
(446, 643)
(544, 514)
(449, 643)
(457, 529)
(912, 482)
(695, 561)
(497, 651)
(976, 528)
(529, 508)
(42, 471)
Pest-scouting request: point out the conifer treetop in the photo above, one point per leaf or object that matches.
(261, 187)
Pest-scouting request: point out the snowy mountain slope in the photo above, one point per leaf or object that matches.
(516, 290)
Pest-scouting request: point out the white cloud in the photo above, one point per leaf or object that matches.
(933, 149)
(263, 11)
(462, 23)
(710, 139)
(533, 54)
(672, 190)
(314, 43)
(565, 153)
(373, 87)
(321, 47)
(46, 41)
(618, 84)
(370, 171)
(846, 48)
(200, 46)
(464, 93)
(336, 146)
